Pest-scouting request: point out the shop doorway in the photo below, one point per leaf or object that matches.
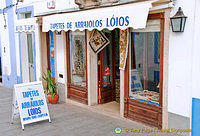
(108, 69)
(27, 55)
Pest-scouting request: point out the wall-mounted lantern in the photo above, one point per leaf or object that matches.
(178, 21)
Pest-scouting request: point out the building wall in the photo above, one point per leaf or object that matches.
(41, 6)
(9, 74)
(10, 45)
(61, 67)
(196, 54)
(5, 50)
(195, 73)
(183, 62)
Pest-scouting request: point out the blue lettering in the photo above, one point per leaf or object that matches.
(90, 23)
(100, 23)
(127, 20)
(117, 20)
(112, 21)
(107, 24)
(121, 21)
(69, 25)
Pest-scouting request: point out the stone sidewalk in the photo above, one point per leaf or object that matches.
(67, 120)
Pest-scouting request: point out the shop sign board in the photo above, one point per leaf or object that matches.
(135, 81)
(24, 28)
(26, 25)
(29, 103)
(124, 16)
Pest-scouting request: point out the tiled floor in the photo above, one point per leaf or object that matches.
(111, 107)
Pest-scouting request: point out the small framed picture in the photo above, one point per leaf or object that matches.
(98, 41)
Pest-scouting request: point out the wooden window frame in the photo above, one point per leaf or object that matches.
(128, 110)
(48, 50)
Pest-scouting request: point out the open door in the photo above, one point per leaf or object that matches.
(27, 57)
(30, 57)
(106, 69)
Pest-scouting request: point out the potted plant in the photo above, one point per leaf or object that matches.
(51, 88)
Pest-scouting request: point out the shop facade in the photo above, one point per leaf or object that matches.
(102, 61)
(27, 36)
(139, 63)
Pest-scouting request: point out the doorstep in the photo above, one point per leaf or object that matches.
(106, 113)
(97, 109)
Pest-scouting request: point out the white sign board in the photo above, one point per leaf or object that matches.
(26, 25)
(31, 102)
(135, 81)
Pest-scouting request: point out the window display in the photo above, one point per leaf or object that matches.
(78, 58)
(144, 69)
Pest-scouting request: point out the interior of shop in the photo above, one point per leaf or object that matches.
(109, 74)
(144, 64)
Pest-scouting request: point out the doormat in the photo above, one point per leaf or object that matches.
(98, 41)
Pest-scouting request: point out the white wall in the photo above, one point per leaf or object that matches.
(60, 55)
(180, 62)
(27, 3)
(196, 54)
(92, 73)
(38, 55)
(41, 7)
(5, 49)
(4, 35)
(17, 47)
(2, 4)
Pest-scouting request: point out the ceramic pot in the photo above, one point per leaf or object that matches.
(54, 99)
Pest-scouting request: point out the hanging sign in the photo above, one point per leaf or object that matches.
(107, 71)
(98, 41)
(30, 102)
(52, 54)
(123, 48)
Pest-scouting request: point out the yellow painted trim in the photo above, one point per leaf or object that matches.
(158, 11)
(161, 1)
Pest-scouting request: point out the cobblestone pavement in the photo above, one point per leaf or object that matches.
(67, 120)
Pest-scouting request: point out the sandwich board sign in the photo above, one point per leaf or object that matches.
(29, 103)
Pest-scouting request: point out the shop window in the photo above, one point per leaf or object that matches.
(78, 58)
(144, 63)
